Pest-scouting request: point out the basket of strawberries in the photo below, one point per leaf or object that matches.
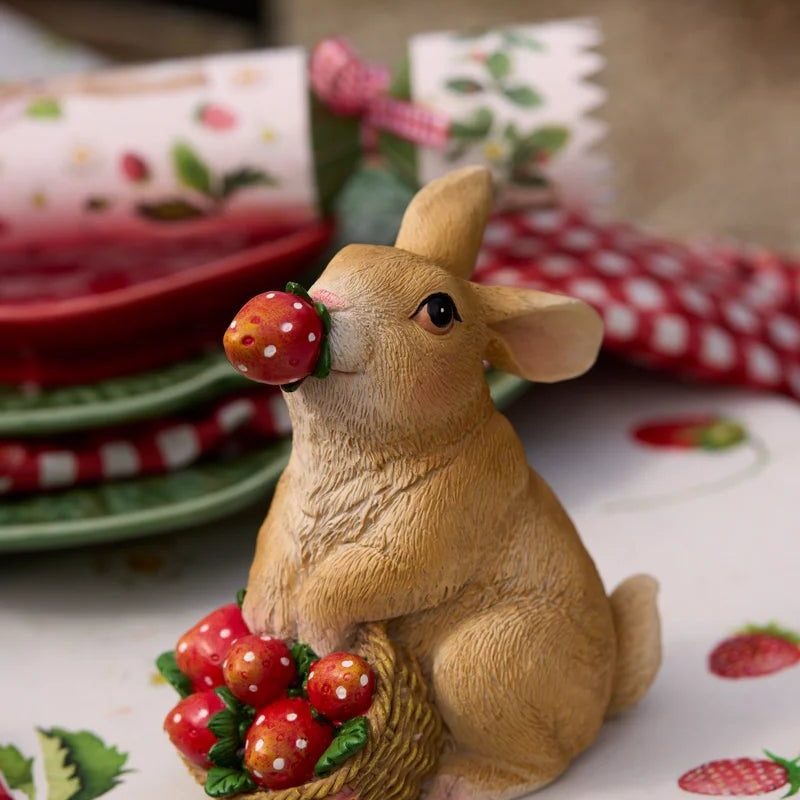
(264, 718)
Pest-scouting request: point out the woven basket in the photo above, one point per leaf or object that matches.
(405, 734)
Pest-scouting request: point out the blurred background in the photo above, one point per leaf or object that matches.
(703, 133)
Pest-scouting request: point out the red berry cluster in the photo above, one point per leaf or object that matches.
(258, 712)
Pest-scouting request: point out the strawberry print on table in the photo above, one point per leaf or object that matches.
(706, 432)
(743, 776)
(709, 433)
(755, 651)
(201, 651)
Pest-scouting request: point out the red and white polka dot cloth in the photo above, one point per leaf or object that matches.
(717, 314)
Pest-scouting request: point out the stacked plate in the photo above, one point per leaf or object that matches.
(119, 414)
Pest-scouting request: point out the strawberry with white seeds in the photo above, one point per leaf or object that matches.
(202, 649)
(743, 776)
(187, 726)
(280, 338)
(341, 686)
(259, 669)
(284, 743)
(755, 651)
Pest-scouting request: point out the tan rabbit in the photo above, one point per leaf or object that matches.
(408, 498)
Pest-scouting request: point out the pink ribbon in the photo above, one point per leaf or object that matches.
(349, 86)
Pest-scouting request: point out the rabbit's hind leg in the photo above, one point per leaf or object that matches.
(466, 777)
(522, 690)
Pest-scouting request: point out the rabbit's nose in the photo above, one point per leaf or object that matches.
(331, 300)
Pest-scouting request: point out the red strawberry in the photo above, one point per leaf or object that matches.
(341, 686)
(743, 776)
(284, 743)
(755, 651)
(187, 726)
(215, 116)
(696, 432)
(279, 338)
(202, 649)
(134, 167)
(258, 669)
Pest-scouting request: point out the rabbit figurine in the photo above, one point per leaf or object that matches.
(408, 498)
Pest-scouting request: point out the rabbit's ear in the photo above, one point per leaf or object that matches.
(445, 220)
(542, 337)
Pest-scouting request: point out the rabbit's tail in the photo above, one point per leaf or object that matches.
(638, 629)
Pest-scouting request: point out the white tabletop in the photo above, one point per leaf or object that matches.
(80, 628)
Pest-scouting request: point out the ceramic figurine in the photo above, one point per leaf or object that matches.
(408, 499)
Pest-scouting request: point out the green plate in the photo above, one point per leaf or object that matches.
(118, 400)
(155, 504)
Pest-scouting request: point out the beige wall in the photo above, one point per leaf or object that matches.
(704, 105)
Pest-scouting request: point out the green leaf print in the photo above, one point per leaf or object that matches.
(97, 766)
(464, 86)
(244, 177)
(45, 108)
(172, 210)
(473, 127)
(62, 782)
(191, 169)
(499, 65)
(523, 96)
(17, 770)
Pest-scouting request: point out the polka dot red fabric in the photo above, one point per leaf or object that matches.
(713, 313)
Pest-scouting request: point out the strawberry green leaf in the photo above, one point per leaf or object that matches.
(44, 108)
(464, 86)
(17, 770)
(722, 434)
(244, 177)
(792, 772)
(324, 315)
(350, 737)
(226, 782)
(291, 387)
(224, 724)
(299, 290)
(240, 595)
(191, 169)
(225, 753)
(523, 96)
(62, 782)
(548, 138)
(473, 127)
(323, 365)
(226, 695)
(173, 210)
(772, 629)
(519, 39)
(499, 65)
(304, 656)
(168, 667)
(97, 766)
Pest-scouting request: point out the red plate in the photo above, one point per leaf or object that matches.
(86, 313)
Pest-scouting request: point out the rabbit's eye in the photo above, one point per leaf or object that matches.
(437, 313)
